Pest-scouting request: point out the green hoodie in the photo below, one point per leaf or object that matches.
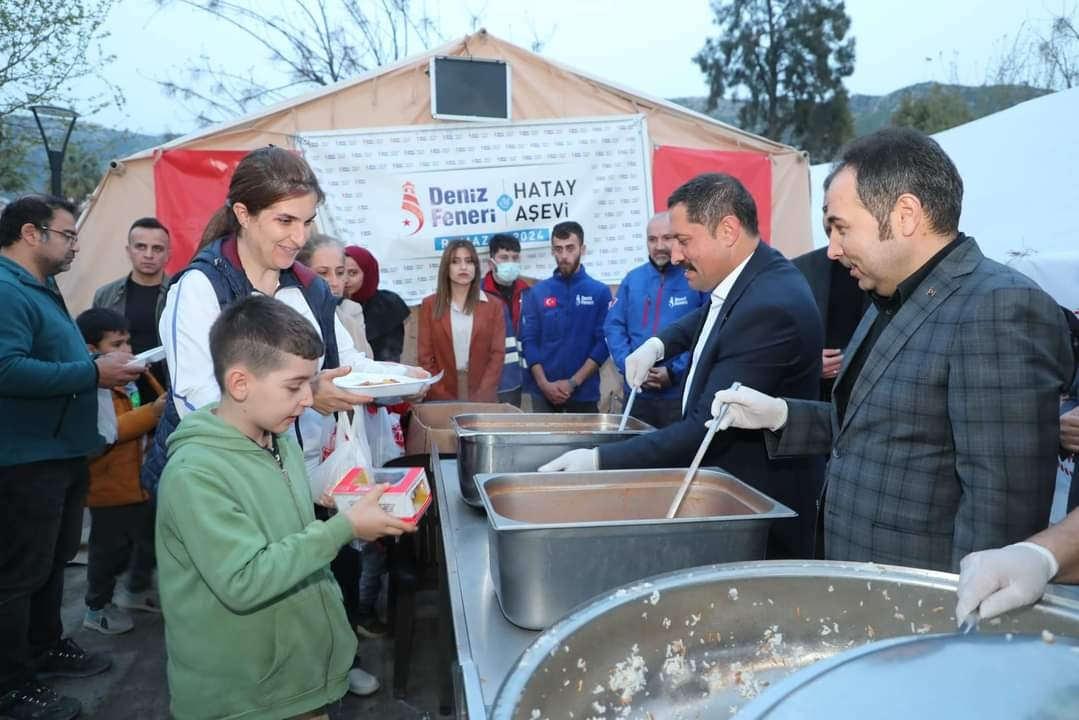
(254, 622)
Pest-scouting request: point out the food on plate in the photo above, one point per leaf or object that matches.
(384, 381)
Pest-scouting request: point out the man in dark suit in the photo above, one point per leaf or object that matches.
(943, 425)
(760, 327)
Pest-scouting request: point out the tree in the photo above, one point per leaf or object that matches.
(47, 47)
(790, 57)
(1059, 51)
(307, 44)
(939, 109)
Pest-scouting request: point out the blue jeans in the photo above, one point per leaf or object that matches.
(373, 567)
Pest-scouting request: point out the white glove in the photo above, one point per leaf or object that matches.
(582, 460)
(749, 409)
(641, 360)
(1003, 579)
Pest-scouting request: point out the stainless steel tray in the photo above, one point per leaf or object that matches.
(558, 539)
(702, 642)
(492, 443)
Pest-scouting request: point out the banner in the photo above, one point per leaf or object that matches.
(673, 166)
(189, 187)
(404, 193)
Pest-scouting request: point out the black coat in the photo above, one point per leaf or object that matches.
(768, 337)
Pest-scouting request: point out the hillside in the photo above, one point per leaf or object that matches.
(93, 146)
(872, 112)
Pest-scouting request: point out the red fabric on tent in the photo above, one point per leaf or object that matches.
(672, 166)
(189, 187)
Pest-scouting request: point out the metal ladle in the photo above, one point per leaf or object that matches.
(683, 490)
(627, 409)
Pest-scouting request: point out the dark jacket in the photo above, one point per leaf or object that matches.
(220, 263)
(48, 382)
(385, 314)
(768, 337)
(562, 326)
(113, 295)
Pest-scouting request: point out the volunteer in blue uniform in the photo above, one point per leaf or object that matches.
(562, 330)
(651, 297)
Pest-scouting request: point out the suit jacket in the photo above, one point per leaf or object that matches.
(768, 335)
(949, 442)
(486, 351)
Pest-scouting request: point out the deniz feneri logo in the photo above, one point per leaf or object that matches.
(410, 204)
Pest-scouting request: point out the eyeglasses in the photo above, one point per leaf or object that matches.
(69, 236)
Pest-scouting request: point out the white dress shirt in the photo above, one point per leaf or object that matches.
(461, 324)
(719, 296)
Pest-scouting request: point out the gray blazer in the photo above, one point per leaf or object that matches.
(949, 443)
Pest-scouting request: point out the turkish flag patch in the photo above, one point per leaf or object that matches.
(550, 301)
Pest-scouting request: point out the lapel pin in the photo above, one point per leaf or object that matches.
(931, 292)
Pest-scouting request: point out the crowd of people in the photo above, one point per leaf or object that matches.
(899, 390)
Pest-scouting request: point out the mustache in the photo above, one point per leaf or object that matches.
(686, 265)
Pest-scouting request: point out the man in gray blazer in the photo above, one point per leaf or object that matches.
(943, 423)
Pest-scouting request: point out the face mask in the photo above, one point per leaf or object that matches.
(507, 272)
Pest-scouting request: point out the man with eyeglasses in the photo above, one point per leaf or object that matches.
(140, 294)
(48, 402)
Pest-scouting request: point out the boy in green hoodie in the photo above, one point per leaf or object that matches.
(254, 622)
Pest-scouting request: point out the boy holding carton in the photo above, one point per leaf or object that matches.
(254, 622)
(122, 518)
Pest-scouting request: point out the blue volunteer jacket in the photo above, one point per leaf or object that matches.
(649, 300)
(562, 326)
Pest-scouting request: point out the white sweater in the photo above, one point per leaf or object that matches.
(191, 308)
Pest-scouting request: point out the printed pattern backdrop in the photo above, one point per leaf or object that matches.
(403, 193)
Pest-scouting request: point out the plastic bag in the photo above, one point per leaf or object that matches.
(384, 435)
(345, 448)
(106, 416)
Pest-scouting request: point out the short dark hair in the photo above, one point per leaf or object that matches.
(149, 223)
(95, 322)
(502, 241)
(564, 229)
(37, 210)
(258, 331)
(713, 196)
(896, 161)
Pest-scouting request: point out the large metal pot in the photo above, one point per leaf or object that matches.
(701, 642)
(559, 539)
(521, 443)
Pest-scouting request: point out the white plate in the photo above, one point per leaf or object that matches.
(146, 357)
(401, 385)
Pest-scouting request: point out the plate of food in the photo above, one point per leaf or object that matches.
(383, 385)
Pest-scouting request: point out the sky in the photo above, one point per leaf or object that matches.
(897, 44)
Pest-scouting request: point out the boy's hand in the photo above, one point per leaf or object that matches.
(325, 499)
(159, 405)
(370, 522)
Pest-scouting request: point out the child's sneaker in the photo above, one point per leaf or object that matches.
(146, 600)
(109, 620)
(361, 682)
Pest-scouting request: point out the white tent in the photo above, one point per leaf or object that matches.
(1021, 194)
